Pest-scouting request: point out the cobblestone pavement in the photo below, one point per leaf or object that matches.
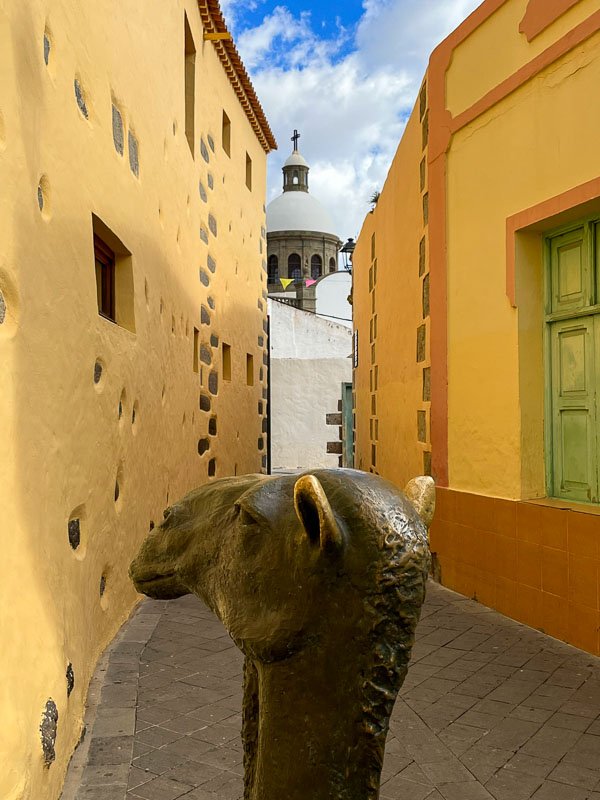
(490, 709)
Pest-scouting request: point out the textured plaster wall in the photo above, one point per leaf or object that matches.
(87, 405)
(495, 395)
(309, 362)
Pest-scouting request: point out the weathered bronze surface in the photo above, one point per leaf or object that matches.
(319, 580)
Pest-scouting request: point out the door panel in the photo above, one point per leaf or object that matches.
(574, 371)
(570, 279)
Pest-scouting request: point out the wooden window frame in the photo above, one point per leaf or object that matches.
(106, 257)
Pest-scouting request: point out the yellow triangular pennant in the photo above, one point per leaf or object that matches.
(285, 282)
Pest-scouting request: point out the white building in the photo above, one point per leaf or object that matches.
(311, 389)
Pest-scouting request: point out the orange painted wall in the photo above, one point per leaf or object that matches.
(397, 224)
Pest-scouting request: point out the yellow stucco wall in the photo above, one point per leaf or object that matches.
(63, 444)
(531, 146)
(397, 225)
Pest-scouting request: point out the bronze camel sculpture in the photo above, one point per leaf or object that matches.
(319, 580)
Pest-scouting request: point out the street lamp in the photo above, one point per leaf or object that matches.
(347, 250)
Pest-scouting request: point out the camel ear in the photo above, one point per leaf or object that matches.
(421, 493)
(315, 514)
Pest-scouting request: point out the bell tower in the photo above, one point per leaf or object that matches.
(295, 170)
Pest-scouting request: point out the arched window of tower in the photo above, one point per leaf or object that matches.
(295, 267)
(316, 266)
(273, 269)
(332, 264)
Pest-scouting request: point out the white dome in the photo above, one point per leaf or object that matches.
(298, 211)
(296, 160)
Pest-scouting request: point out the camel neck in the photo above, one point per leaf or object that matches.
(310, 739)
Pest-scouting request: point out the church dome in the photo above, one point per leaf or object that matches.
(298, 211)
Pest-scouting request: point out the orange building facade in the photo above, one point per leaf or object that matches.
(477, 312)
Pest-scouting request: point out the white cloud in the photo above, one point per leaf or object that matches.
(349, 95)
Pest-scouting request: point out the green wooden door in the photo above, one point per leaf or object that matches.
(573, 368)
(574, 354)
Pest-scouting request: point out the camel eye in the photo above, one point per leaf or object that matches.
(245, 517)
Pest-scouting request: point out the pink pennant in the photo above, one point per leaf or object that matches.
(310, 281)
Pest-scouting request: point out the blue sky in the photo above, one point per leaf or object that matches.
(346, 75)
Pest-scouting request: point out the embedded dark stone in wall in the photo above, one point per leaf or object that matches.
(102, 585)
(212, 426)
(117, 130)
(70, 676)
(265, 359)
(212, 224)
(333, 419)
(46, 49)
(117, 491)
(264, 265)
(40, 198)
(204, 316)
(211, 263)
(260, 374)
(79, 96)
(264, 462)
(265, 425)
(421, 342)
(212, 468)
(213, 382)
(261, 443)
(265, 326)
(48, 731)
(120, 409)
(211, 142)
(202, 190)
(427, 384)
(264, 394)
(152, 525)
(205, 402)
(204, 277)
(426, 208)
(97, 372)
(204, 234)
(74, 529)
(261, 341)
(425, 130)
(334, 447)
(259, 303)
(211, 181)
(422, 256)
(422, 426)
(265, 294)
(205, 354)
(214, 340)
(133, 414)
(211, 302)
(203, 446)
(134, 162)
(2, 308)
(260, 407)
(425, 296)
(204, 151)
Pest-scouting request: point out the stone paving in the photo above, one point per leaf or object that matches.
(490, 709)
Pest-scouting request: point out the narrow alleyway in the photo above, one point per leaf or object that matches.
(490, 709)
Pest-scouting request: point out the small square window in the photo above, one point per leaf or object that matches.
(226, 134)
(226, 366)
(248, 172)
(114, 276)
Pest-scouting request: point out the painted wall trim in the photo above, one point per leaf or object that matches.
(540, 14)
(584, 193)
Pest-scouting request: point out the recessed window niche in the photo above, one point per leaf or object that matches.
(114, 276)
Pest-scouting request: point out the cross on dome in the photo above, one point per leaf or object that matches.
(295, 138)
